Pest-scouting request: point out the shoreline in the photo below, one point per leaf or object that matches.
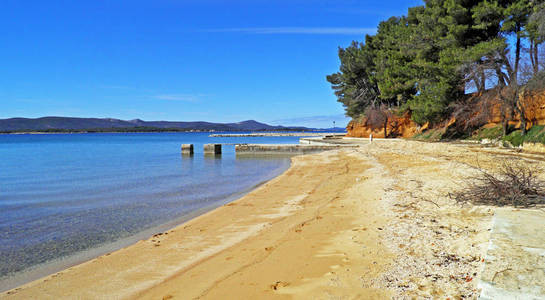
(48, 268)
(47, 281)
(372, 222)
(280, 134)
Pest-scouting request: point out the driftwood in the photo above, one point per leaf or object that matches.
(515, 185)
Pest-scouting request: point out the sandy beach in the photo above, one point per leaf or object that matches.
(373, 222)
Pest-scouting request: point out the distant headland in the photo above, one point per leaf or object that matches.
(90, 125)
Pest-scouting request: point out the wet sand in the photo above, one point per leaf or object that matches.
(374, 222)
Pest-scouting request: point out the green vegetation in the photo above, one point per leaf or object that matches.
(431, 135)
(493, 133)
(535, 135)
(426, 61)
(515, 138)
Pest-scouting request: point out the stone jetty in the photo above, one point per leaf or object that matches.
(286, 148)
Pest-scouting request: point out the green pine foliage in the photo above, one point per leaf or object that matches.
(355, 84)
(428, 59)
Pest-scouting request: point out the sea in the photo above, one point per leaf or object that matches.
(66, 198)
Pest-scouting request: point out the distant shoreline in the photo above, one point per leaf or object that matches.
(278, 134)
(158, 130)
(75, 124)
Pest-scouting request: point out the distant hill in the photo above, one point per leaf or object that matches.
(333, 129)
(108, 124)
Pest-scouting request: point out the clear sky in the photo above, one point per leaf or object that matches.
(218, 61)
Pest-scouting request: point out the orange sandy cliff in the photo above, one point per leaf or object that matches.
(534, 107)
(398, 126)
(403, 126)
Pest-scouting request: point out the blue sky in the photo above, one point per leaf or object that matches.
(219, 61)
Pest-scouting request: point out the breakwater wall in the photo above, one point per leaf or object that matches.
(287, 148)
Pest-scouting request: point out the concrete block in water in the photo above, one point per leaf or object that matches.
(212, 148)
(187, 149)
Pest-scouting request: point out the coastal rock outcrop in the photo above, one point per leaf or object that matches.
(398, 126)
(403, 126)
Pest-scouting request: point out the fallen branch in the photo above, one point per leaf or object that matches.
(431, 202)
(500, 272)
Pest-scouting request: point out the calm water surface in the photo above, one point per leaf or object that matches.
(63, 194)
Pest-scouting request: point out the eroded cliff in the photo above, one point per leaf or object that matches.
(403, 126)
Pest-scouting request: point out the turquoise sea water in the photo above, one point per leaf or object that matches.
(63, 194)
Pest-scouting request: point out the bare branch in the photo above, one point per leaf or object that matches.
(515, 185)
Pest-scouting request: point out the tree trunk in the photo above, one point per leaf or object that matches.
(514, 77)
(522, 112)
(507, 65)
(386, 128)
(482, 86)
(504, 118)
(501, 78)
(536, 58)
(533, 59)
(523, 122)
(522, 117)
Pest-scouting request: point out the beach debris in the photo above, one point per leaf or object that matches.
(516, 185)
(500, 272)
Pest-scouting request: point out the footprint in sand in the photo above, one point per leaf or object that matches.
(279, 284)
